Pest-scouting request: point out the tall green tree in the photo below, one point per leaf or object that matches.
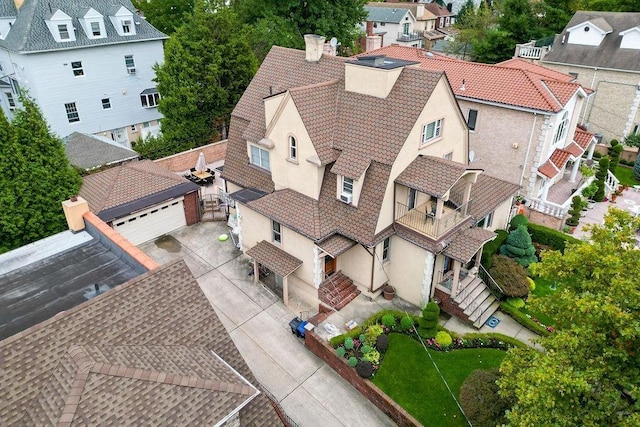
(517, 18)
(466, 13)
(589, 371)
(165, 15)
(36, 177)
(608, 5)
(208, 64)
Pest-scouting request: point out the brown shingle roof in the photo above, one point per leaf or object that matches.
(466, 243)
(431, 175)
(158, 324)
(274, 258)
(128, 183)
(487, 193)
(336, 245)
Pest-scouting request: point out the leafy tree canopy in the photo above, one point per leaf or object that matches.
(589, 371)
(35, 177)
(165, 15)
(208, 64)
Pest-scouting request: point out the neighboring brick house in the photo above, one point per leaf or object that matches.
(601, 50)
(352, 174)
(523, 122)
(142, 200)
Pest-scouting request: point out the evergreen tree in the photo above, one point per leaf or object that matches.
(36, 178)
(466, 13)
(517, 19)
(165, 15)
(520, 247)
(208, 64)
(636, 169)
(601, 175)
(614, 154)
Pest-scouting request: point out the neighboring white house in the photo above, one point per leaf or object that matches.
(88, 65)
(394, 26)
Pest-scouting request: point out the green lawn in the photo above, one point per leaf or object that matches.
(408, 376)
(625, 175)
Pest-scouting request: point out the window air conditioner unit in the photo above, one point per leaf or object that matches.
(131, 70)
(347, 198)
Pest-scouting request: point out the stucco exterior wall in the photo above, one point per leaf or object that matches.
(406, 269)
(356, 264)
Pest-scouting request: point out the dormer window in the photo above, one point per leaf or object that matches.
(122, 20)
(60, 27)
(126, 27)
(93, 24)
(95, 29)
(63, 31)
(630, 38)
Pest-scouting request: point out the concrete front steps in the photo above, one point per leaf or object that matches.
(337, 291)
(476, 301)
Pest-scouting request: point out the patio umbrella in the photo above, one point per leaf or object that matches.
(201, 164)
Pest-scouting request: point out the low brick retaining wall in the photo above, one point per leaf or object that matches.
(325, 352)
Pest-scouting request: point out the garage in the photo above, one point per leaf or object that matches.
(150, 223)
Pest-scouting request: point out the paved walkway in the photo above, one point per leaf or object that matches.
(310, 392)
(628, 201)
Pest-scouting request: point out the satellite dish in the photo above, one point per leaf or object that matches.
(334, 42)
(472, 155)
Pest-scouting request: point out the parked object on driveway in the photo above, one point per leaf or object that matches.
(297, 326)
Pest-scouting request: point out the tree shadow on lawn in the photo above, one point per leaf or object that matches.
(408, 376)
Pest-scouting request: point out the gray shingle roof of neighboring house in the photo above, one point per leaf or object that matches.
(91, 151)
(151, 351)
(385, 14)
(608, 55)
(29, 33)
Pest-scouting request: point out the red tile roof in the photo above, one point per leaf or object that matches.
(521, 64)
(524, 87)
(555, 163)
(583, 138)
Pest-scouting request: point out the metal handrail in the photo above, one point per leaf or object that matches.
(428, 224)
(493, 286)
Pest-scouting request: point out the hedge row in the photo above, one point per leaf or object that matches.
(493, 247)
(522, 318)
(549, 237)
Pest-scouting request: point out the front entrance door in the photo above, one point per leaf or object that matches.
(329, 266)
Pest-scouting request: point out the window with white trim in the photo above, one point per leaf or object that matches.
(487, 221)
(95, 29)
(561, 132)
(106, 103)
(260, 157)
(129, 62)
(276, 234)
(10, 100)
(431, 131)
(63, 30)
(126, 26)
(472, 119)
(77, 69)
(149, 98)
(293, 148)
(347, 185)
(386, 247)
(72, 112)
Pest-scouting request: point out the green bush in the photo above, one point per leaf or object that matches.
(362, 338)
(352, 361)
(510, 276)
(496, 336)
(365, 349)
(481, 401)
(339, 339)
(348, 344)
(522, 318)
(549, 237)
(601, 174)
(341, 351)
(372, 356)
(364, 368)
(516, 302)
(389, 320)
(373, 332)
(532, 284)
(406, 323)
(377, 317)
(490, 248)
(636, 169)
(520, 247)
(444, 339)
(518, 220)
(428, 323)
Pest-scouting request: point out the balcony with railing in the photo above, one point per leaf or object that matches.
(409, 36)
(423, 220)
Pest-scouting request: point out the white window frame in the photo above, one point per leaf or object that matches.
(293, 148)
(561, 131)
(488, 220)
(129, 62)
(386, 249)
(475, 119)
(347, 185)
(72, 112)
(149, 100)
(106, 103)
(63, 30)
(77, 68)
(431, 131)
(11, 101)
(276, 231)
(406, 27)
(259, 157)
(96, 30)
(126, 26)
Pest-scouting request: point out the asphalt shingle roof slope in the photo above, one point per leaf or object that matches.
(129, 183)
(385, 14)
(91, 151)
(140, 354)
(523, 87)
(30, 33)
(608, 55)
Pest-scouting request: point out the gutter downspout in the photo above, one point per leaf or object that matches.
(585, 117)
(526, 156)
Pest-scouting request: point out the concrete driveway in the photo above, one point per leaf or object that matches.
(310, 392)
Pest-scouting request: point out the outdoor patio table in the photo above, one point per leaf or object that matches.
(202, 175)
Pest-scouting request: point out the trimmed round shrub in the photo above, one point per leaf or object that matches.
(519, 246)
(362, 338)
(382, 343)
(364, 368)
(388, 320)
(365, 349)
(444, 339)
(510, 276)
(348, 344)
(341, 351)
(515, 302)
(532, 284)
(406, 323)
(517, 221)
(352, 361)
(480, 400)
(431, 311)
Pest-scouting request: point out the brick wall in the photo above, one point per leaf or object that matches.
(448, 306)
(543, 219)
(365, 387)
(187, 159)
(192, 208)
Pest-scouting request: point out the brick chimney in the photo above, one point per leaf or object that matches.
(314, 46)
(74, 209)
(369, 28)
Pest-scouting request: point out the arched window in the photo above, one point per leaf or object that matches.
(293, 148)
(561, 132)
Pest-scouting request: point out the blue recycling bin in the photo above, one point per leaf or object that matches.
(297, 326)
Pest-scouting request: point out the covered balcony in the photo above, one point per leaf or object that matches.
(427, 219)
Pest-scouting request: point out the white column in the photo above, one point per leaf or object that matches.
(317, 267)
(285, 290)
(427, 278)
(574, 171)
(592, 148)
(545, 189)
(456, 278)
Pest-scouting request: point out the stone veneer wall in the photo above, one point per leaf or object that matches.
(325, 352)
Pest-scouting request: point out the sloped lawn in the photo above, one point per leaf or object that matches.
(408, 376)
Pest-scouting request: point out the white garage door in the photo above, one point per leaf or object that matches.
(151, 223)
